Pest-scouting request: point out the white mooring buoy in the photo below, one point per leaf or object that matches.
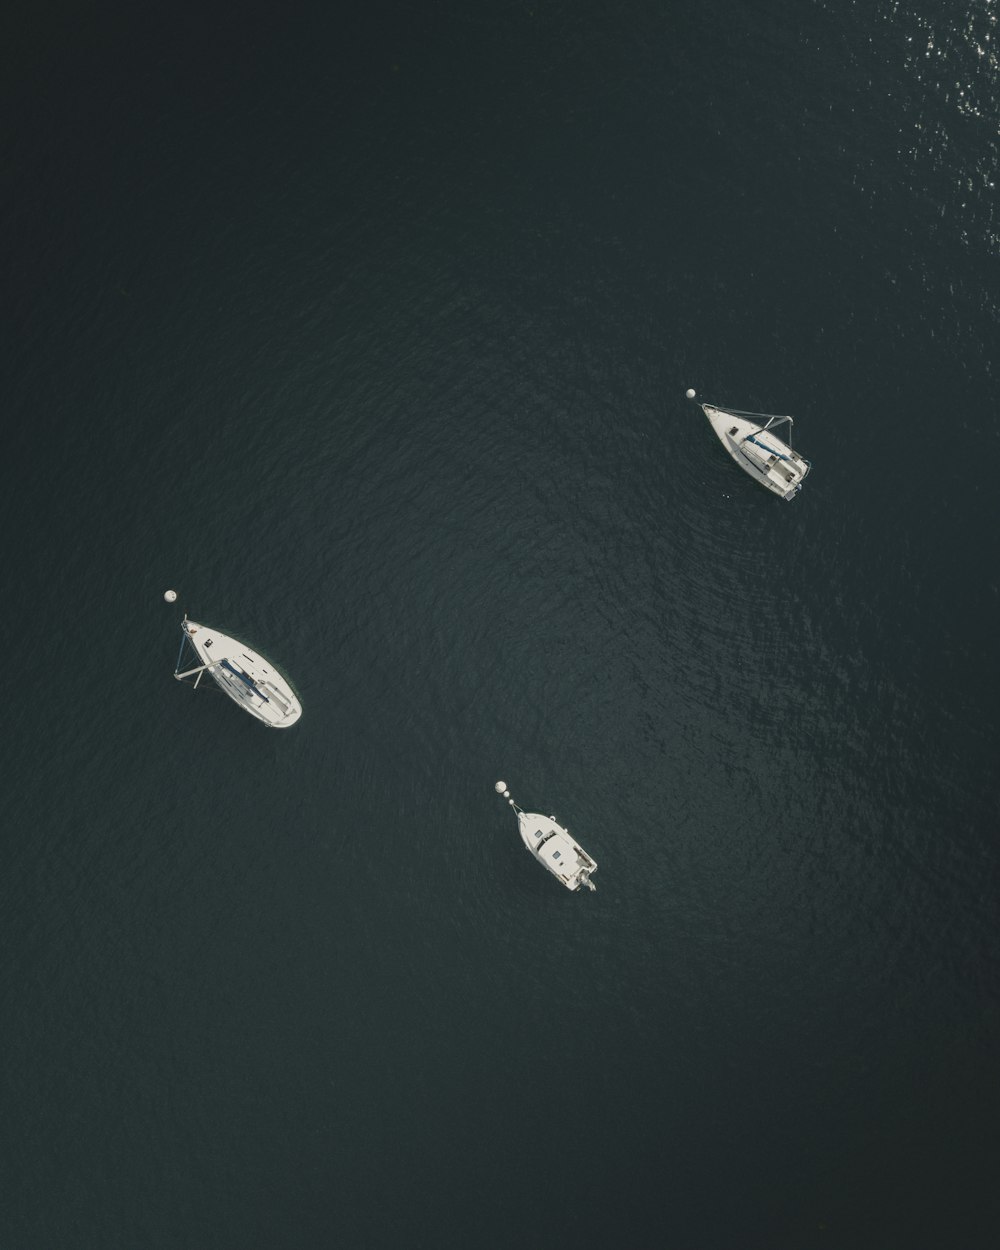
(501, 788)
(170, 596)
(690, 393)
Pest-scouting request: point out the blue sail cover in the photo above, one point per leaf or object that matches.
(772, 450)
(244, 678)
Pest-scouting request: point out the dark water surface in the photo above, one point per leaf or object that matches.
(370, 332)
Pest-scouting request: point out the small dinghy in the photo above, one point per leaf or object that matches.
(552, 846)
(249, 680)
(750, 439)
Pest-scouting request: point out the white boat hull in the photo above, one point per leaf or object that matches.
(247, 677)
(759, 452)
(554, 848)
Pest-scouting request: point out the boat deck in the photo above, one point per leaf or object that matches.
(555, 848)
(761, 453)
(248, 679)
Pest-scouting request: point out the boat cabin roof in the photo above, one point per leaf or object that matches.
(561, 855)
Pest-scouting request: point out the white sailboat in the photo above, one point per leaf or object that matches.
(552, 846)
(249, 680)
(750, 439)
